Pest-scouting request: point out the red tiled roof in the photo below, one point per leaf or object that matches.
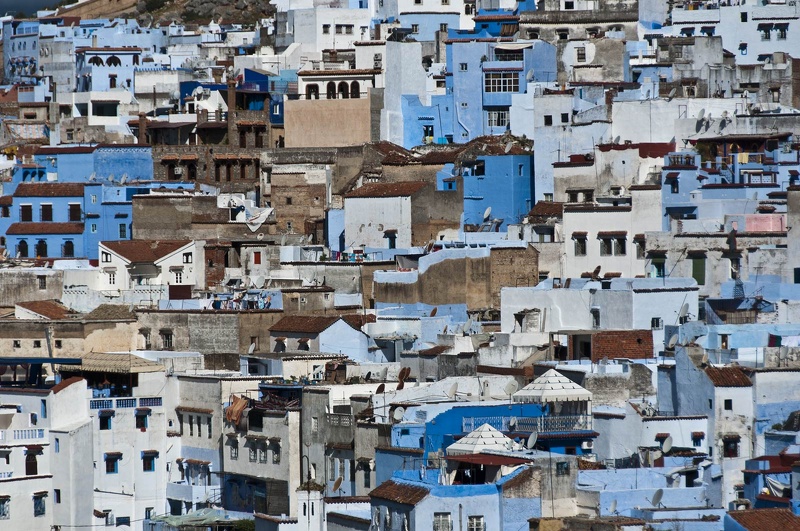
(341, 73)
(49, 190)
(767, 519)
(631, 344)
(401, 189)
(303, 324)
(547, 209)
(51, 309)
(145, 250)
(399, 493)
(64, 384)
(6, 200)
(45, 228)
(357, 320)
(728, 377)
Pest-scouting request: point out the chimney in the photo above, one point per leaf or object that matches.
(233, 139)
(142, 128)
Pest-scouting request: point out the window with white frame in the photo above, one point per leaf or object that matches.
(111, 276)
(442, 522)
(476, 523)
(501, 82)
(497, 118)
(5, 508)
(105, 257)
(178, 276)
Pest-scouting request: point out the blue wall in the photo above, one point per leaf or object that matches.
(507, 187)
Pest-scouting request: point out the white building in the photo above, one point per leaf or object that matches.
(137, 264)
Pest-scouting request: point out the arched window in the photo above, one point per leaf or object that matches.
(344, 90)
(312, 91)
(69, 249)
(41, 248)
(22, 249)
(113, 61)
(96, 61)
(355, 90)
(331, 90)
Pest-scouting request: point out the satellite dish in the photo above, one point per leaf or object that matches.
(684, 310)
(176, 95)
(746, 94)
(667, 446)
(512, 423)
(529, 75)
(669, 98)
(657, 497)
(511, 387)
(701, 114)
(451, 393)
(724, 115)
(529, 444)
(616, 139)
(487, 213)
(283, 240)
(613, 508)
(509, 147)
(337, 483)
(124, 179)
(369, 374)
(705, 359)
(434, 311)
(381, 388)
(252, 348)
(468, 325)
(260, 236)
(398, 413)
(672, 341)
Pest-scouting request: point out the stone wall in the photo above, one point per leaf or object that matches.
(318, 123)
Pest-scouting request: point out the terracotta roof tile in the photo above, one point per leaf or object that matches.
(110, 312)
(145, 250)
(49, 190)
(357, 320)
(6, 200)
(399, 493)
(303, 324)
(547, 209)
(767, 519)
(63, 384)
(45, 228)
(401, 189)
(728, 377)
(50, 309)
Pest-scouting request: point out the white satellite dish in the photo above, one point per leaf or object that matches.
(468, 325)
(613, 507)
(529, 75)
(672, 93)
(511, 387)
(260, 236)
(657, 497)
(283, 240)
(512, 423)
(531, 442)
(701, 114)
(672, 341)
(398, 413)
(667, 446)
(509, 147)
(487, 213)
(451, 393)
(252, 348)
(724, 115)
(684, 310)
(616, 139)
(124, 179)
(337, 484)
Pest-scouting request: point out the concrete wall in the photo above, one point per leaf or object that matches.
(318, 123)
(22, 284)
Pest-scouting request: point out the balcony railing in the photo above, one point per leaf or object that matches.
(124, 403)
(33, 433)
(530, 424)
(336, 419)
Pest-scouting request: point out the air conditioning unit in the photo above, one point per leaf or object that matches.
(178, 171)
(587, 445)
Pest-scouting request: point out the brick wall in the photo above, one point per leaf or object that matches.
(632, 344)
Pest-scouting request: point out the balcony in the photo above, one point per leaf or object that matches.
(182, 490)
(530, 424)
(125, 403)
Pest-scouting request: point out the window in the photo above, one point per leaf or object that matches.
(58, 343)
(640, 249)
(326, 29)
(414, 28)
(191, 425)
(781, 31)
(463, 67)
(105, 257)
(149, 462)
(656, 323)
(262, 454)
(43, 409)
(548, 120)
(123, 520)
(276, 454)
(730, 447)
(580, 55)
(620, 246)
(42, 281)
(728, 404)
(112, 463)
(166, 340)
(38, 504)
(569, 4)
(659, 267)
(367, 478)
(26, 213)
(562, 468)
(187, 258)
(564, 118)
(253, 454)
(148, 513)
(443, 27)
(17, 343)
(57, 445)
(580, 246)
(112, 277)
(123, 230)
(595, 317)
(743, 16)
(699, 269)
(735, 265)
(605, 247)
(208, 426)
(442, 522)
(141, 420)
(497, 118)
(68, 249)
(314, 424)
(235, 450)
(94, 199)
(46, 212)
(75, 212)
(475, 523)
(588, 196)
(256, 257)
(5, 508)
(178, 277)
(501, 82)
(765, 34)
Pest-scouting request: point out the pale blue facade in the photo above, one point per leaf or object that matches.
(504, 183)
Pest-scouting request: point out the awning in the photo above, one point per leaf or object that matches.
(98, 514)
(39, 493)
(143, 410)
(112, 455)
(34, 449)
(672, 175)
(150, 453)
(106, 413)
(731, 437)
(514, 46)
(579, 234)
(765, 26)
(612, 234)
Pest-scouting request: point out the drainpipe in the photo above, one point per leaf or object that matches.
(232, 140)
